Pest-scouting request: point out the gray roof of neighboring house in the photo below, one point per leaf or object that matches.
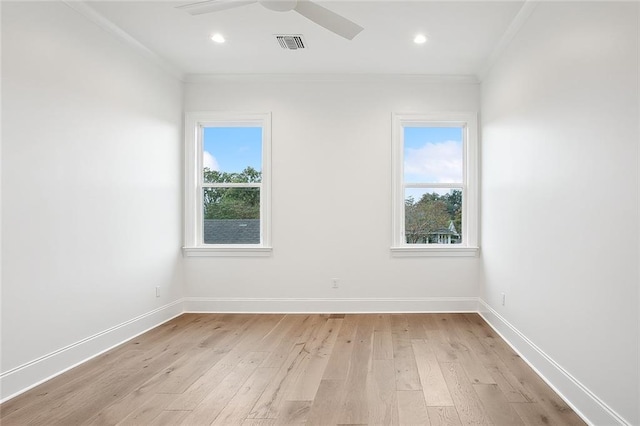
(232, 231)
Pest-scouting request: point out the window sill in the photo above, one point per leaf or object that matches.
(227, 251)
(437, 251)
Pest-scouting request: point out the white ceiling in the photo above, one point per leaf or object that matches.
(462, 36)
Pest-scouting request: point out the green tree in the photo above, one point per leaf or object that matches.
(454, 207)
(232, 203)
(427, 215)
(248, 175)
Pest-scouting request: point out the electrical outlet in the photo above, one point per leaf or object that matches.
(157, 291)
(334, 282)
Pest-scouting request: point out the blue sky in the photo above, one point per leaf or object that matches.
(232, 149)
(433, 154)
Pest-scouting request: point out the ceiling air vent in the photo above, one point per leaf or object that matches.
(291, 42)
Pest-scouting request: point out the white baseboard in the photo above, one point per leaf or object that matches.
(330, 305)
(592, 409)
(584, 402)
(29, 375)
(22, 378)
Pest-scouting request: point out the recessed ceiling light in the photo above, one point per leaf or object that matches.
(218, 38)
(420, 39)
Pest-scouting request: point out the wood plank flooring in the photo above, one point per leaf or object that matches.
(240, 369)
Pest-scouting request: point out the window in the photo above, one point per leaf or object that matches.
(227, 202)
(434, 185)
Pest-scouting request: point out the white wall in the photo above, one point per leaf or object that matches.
(331, 217)
(560, 196)
(91, 191)
(91, 195)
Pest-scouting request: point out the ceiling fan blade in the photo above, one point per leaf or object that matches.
(213, 6)
(328, 19)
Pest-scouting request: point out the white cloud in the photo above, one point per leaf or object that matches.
(209, 161)
(434, 162)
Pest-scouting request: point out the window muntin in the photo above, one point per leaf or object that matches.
(227, 193)
(435, 181)
(231, 181)
(433, 155)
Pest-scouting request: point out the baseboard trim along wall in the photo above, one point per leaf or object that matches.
(24, 377)
(330, 305)
(592, 409)
(584, 402)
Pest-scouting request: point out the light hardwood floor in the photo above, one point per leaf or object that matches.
(237, 369)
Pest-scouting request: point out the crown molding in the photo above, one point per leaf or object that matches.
(107, 25)
(307, 77)
(507, 37)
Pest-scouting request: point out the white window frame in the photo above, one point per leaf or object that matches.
(195, 122)
(469, 244)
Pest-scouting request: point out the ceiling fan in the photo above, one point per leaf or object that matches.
(310, 10)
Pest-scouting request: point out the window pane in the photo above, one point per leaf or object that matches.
(433, 154)
(433, 216)
(232, 154)
(231, 216)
